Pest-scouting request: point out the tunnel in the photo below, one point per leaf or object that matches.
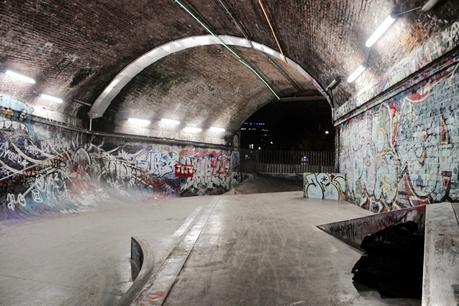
(128, 177)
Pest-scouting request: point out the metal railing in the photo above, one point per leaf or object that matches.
(270, 161)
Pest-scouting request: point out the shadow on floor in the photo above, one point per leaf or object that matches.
(255, 183)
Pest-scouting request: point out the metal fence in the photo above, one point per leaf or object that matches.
(267, 161)
(289, 168)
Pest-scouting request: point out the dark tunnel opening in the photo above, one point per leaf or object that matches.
(286, 138)
(290, 126)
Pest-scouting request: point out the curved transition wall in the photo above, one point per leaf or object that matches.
(45, 169)
(404, 151)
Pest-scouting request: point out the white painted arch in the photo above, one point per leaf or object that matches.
(130, 71)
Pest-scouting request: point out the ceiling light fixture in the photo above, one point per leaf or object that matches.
(19, 76)
(214, 129)
(51, 98)
(383, 27)
(356, 73)
(138, 121)
(429, 5)
(333, 84)
(192, 129)
(169, 122)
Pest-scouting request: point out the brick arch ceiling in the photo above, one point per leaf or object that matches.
(205, 86)
(290, 71)
(75, 48)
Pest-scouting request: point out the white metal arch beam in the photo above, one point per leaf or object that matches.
(130, 71)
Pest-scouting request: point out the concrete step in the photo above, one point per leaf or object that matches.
(440, 224)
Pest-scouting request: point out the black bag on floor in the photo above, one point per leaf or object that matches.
(392, 262)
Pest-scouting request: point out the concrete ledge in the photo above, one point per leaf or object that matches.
(325, 186)
(441, 256)
(353, 231)
(456, 211)
(142, 264)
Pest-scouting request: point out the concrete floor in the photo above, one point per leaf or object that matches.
(265, 250)
(261, 249)
(84, 259)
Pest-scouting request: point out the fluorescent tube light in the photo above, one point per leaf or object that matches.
(429, 5)
(51, 98)
(214, 129)
(139, 121)
(356, 74)
(19, 76)
(169, 122)
(383, 27)
(192, 129)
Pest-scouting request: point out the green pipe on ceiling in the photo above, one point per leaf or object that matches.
(233, 52)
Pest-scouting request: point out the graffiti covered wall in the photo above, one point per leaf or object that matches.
(405, 151)
(327, 186)
(47, 169)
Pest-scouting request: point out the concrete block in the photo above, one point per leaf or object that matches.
(330, 186)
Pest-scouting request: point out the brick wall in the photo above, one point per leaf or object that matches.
(405, 151)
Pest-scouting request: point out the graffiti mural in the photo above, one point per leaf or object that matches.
(329, 186)
(405, 151)
(45, 169)
(354, 230)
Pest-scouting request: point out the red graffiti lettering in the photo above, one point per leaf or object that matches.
(184, 170)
